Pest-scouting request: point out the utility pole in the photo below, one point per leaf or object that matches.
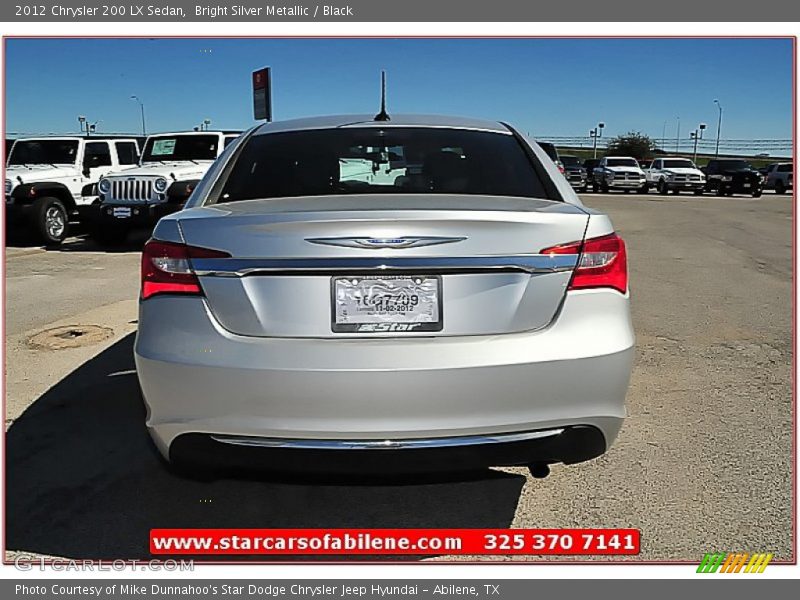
(678, 137)
(696, 135)
(595, 133)
(141, 107)
(719, 126)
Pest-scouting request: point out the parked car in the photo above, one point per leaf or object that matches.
(589, 165)
(464, 309)
(172, 165)
(52, 180)
(551, 151)
(618, 173)
(574, 171)
(728, 176)
(780, 177)
(674, 174)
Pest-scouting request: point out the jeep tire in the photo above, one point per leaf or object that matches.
(50, 220)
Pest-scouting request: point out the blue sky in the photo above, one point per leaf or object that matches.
(545, 87)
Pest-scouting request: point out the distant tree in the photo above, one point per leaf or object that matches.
(633, 143)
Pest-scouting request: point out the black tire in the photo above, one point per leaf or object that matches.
(645, 189)
(676, 191)
(662, 187)
(50, 220)
(595, 187)
(779, 187)
(604, 187)
(699, 192)
(110, 234)
(720, 191)
(756, 193)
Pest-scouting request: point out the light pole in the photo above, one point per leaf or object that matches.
(678, 137)
(664, 136)
(719, 126)
(595, 133)
(696, 135)
(141, 107)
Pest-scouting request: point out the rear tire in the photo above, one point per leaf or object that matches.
(662, 187)
(644, 189)
(756, 193)
(50, 220)
(604, 187)
(779, 187)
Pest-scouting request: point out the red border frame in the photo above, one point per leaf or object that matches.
(377, 561)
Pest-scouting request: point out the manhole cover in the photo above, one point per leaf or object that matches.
(69, 336)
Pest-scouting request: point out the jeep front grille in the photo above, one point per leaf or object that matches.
(136, 190)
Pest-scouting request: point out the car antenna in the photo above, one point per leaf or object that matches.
(383, 115)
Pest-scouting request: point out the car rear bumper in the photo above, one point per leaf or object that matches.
(202, 383)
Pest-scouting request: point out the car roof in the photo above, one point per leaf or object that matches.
(401, 120)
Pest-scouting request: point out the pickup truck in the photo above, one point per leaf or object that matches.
(729, 176)
(618, 173)
(674, 174)
(780, 177)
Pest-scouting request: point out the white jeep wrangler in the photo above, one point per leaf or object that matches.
(172, 165)
(618, 173)
(674, 174)
(52, 180)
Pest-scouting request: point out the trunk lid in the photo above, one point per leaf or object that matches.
(285, 253)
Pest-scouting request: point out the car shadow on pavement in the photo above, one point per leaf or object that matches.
(79, 240)
(83, 480)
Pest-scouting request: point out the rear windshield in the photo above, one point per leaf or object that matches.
(381, 161)
(180, 147)
(570, 161)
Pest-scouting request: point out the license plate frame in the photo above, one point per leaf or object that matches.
(121, 212)
(386, 325)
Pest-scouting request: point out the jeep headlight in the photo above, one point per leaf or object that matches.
(160, 185)
(9, 186)
(104, 186)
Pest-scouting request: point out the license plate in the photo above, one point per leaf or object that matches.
(747, 185)
(122, 212)
(386, 304)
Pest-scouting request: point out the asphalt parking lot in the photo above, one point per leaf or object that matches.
(703, 463)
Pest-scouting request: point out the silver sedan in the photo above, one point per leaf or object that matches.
(422, 291)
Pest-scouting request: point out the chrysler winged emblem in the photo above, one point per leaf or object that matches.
(385, 242)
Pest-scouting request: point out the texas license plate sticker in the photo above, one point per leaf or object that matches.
(387, 304)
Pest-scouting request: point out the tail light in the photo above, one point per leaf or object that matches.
(167, 268)
(603, 263)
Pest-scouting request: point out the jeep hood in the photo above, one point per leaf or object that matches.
(172, 171)
(33, 173)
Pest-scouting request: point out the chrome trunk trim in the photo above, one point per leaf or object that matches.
(409, 443)
(243, 267)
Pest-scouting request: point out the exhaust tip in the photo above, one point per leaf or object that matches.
(539, 470)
